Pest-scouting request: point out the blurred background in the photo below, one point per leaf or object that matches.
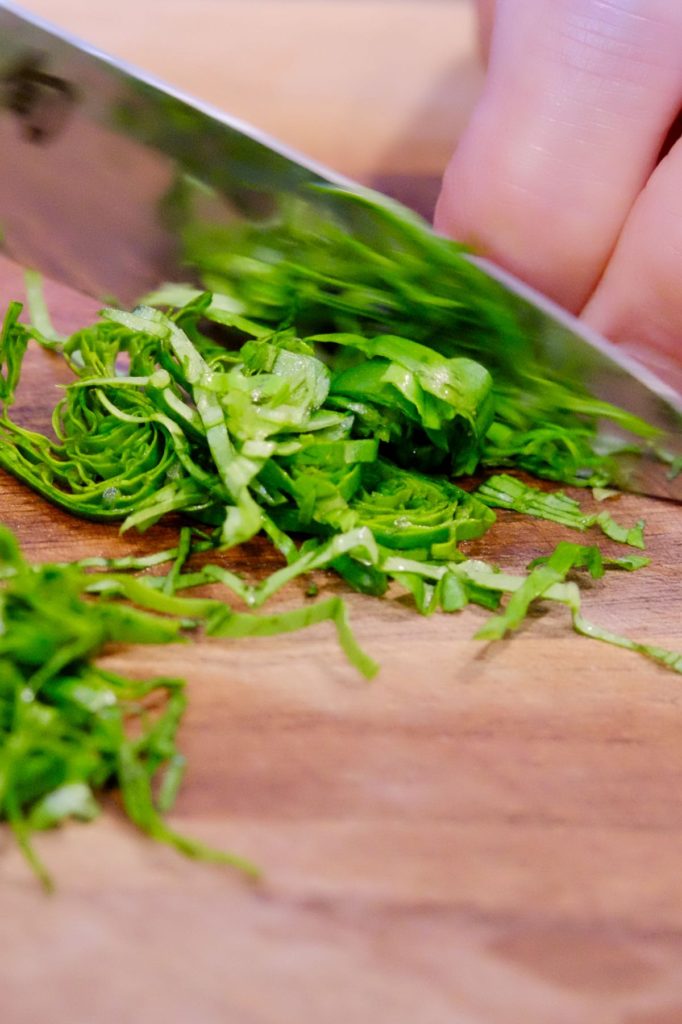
(377, 89)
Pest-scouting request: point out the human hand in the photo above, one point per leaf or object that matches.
(557, 176)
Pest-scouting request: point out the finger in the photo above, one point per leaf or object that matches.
(639, 300)
(578, 100)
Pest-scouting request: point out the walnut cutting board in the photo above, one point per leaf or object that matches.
(483, 835)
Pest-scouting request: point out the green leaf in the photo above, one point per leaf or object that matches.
(504, 491)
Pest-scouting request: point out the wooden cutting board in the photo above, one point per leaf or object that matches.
(483, 835)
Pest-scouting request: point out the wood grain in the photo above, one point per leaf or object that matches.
(483, 835)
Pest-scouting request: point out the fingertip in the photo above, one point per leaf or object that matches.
(638, 302)
(499, 196)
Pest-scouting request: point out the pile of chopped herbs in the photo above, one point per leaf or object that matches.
(332, 396)
(70, 728)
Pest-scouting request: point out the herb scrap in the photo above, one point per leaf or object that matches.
(504, 491)
(65, 722)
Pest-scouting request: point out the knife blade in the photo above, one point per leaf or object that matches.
(91, 151)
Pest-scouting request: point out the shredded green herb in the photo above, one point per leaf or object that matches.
(328, 395)
(65, 721)
(504, 491)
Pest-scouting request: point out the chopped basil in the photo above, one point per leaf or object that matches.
(327, 395)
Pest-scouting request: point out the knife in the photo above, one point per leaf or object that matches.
(91, 150)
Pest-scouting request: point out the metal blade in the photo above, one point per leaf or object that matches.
(579, 354)
(91, 153)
